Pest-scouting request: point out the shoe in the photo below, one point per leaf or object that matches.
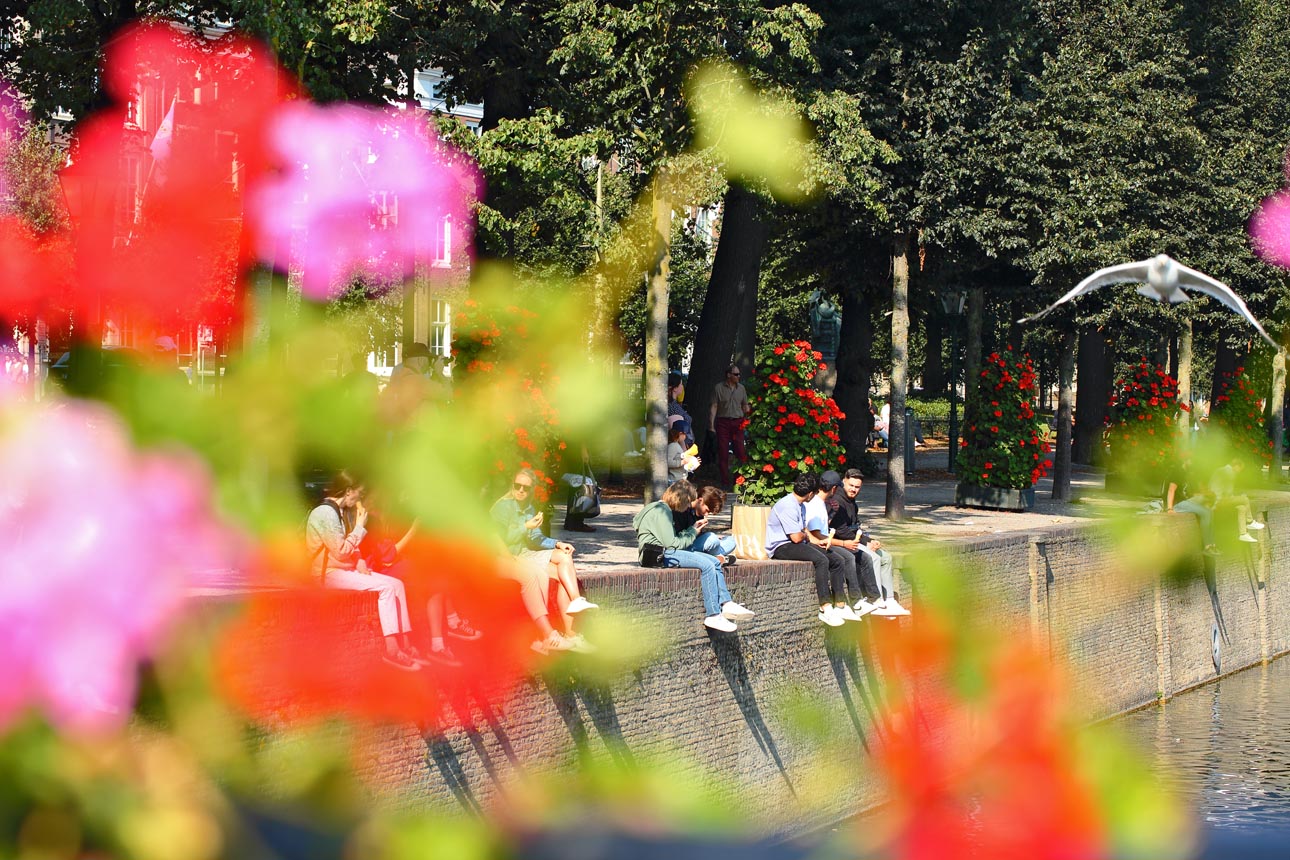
(846, 613)
(402, 662)
(1256, 525)
(883, 607)
(1248, 539)
(462, 629)
(417, 657)
(580, 604)
(578, 642)
(735, 611)
(727, 560)
(879, 603)
(864, 607)
(720, 622)
(553, 642)
(1211, 551)
(582, 528)
(444, 657)
(894, 608)
(828, 615)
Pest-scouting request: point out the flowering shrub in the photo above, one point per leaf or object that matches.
(1239, 413)
(1142, 432)
(490, 348)
(796, 426)
(1001, 443)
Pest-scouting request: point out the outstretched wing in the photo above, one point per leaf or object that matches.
(1120, 274)
(1190, 279)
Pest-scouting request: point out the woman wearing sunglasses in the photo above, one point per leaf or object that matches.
(543, 560)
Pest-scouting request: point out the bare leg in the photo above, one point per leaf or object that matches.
(561, 604)
(562, 570)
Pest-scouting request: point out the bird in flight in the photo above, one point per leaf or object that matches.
(1164, 279)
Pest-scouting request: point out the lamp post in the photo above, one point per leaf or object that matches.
(954, 303)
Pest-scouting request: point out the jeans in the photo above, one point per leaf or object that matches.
(713, 544)
(865, 582)
(1203, 513)
(729, 430)
(881, 561)
(712, 580)
(828, 567)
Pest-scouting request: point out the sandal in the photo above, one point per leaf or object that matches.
(400, 660)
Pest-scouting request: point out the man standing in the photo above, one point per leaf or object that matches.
(726, 418)
(848, 532)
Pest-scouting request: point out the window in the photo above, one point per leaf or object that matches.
(440, 328)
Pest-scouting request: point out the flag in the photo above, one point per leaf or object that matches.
(160, 147)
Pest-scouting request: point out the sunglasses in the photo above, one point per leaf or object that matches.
(735, 373)
(517, 487)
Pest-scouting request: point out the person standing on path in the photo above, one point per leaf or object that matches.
(726, 418)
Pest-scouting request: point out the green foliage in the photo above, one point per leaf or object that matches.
(795, 428)
(687, 286)
(1238, 411)
(30, 166)
(1001, 438)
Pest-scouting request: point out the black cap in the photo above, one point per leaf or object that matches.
(416, 350)
(830, 479)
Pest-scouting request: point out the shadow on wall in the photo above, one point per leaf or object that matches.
(730, 658)
(847, 647)
(568, 689)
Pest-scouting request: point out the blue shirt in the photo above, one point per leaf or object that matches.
(787, 517)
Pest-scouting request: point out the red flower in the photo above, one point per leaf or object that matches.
(768, 468)
(775, 454)
(808, 460)
(739, 480)
(792, 464)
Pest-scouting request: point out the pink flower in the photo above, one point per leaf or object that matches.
(1270, 230)
(360, 190)
(102, 544)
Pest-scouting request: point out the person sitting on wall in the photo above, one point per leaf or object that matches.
(334, 533)
(787, 539)
(709, 501)
(659, 544)
(549, 560)
(874, 569)
(823, 535)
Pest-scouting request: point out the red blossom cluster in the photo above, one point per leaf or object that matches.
(797, 425)
(1142, 426)
(1002, 445)
(1238, 410)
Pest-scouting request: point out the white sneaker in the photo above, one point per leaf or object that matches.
(555, 642)
(879, 603)
(828, 615)
(846, 613)
(1256, 525)
(720, 622)
(580, 604)
(864, 607)
(578, 642)
(892, 609)
(1249, 538)
(735, 611)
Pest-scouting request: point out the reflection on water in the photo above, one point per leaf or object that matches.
(1226, 747)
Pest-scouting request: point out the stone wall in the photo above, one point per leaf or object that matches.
(713, 705)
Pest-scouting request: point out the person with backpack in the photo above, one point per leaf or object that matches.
(334, 535)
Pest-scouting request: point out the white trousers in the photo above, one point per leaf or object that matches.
(391, 598)
(881, 571)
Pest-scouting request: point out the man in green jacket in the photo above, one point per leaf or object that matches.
(659, 545)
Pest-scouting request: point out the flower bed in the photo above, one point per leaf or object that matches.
(1003, 444)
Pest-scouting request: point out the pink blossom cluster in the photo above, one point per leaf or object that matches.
(101, 543)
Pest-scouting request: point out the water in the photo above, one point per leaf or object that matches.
(1225, 747)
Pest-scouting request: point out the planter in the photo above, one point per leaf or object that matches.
(748, 527)
(993, 498)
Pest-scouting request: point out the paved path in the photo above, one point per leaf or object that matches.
(929, 508)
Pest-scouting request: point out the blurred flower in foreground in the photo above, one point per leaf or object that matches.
(1270, 229)
(361, 191)
(102, 542)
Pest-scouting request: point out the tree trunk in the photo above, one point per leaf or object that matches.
(1277, 405)
(1184, 375)
(855, 372)
(1226, 360)
(656, 342)
(896, 453)
(972, 349)
(732, 285)
(934, 324)
(1090, 395)
(1062, 454)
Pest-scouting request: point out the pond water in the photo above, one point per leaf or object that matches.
(1225, 747)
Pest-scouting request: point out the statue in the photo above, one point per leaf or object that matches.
(826, 326)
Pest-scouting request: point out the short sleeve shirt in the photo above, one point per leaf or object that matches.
(731, 402)
(787, 517)
(817, 515)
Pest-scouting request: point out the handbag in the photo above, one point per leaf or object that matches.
(585, 501)
(652, 555)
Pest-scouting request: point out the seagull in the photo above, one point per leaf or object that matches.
(1162, 278)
